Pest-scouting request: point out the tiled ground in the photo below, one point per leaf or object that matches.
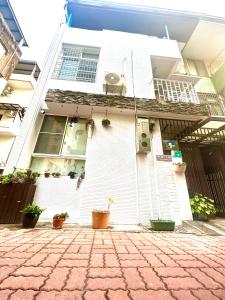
(74, 264)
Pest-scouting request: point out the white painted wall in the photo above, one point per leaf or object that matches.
(143, 189)
(118, 49)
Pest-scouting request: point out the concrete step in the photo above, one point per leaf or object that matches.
(207, 228)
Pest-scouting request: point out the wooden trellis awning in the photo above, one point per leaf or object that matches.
(13, 107)
(208, 131)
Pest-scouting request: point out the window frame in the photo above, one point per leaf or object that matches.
(60, 155)
(83, 49)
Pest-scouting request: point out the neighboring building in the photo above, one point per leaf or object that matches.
(158, 78)
(17, 80)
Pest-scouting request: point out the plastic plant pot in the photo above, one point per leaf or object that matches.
(30, 220)
(162, 225)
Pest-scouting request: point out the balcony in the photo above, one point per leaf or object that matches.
(175, 91)
(214, 102)
(10, 119)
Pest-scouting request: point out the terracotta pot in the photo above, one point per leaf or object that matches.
(179, 168)
(47, 175)
(100, 219)
(58, 223)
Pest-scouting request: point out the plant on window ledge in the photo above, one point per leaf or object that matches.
(56, 174)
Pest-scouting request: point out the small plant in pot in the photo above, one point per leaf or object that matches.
(56, 174)
(106, 122)
(47, 173)
(31, 215)
(100, 218)
(58, 220)
(202, 207)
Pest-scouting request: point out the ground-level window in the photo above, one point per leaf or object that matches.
(61, 165)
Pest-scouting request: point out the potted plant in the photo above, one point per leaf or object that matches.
(106, 122)
(179, 167)
(162, 225)
(74, 119)
(58, 220)
(47, 173)
(72, 174)
(56, 174)
(202, 207)
(100, 218)
(31, 214)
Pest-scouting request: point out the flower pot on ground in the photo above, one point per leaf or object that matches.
(31, 215)
(162, 225)
(179, 167)
(58, 220)
(100, 218)
(202, 207)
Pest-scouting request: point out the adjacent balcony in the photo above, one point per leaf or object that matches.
(175, 91)
(10, 119)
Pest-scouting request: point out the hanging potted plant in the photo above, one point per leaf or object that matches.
(105, 122)
(179, 167)
(31, 215)
(100, 218)
(58, 220)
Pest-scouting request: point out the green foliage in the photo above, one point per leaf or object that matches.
(23, 176)
(105, 122)
(56, 174)
(32, 209)
(202, 206)
(61, 215)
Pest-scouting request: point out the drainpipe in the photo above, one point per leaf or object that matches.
(135, 128)
(36, 102)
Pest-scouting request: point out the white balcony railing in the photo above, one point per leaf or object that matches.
(176, 91)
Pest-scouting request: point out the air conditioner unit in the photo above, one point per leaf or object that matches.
(114, 83)
(143, 136)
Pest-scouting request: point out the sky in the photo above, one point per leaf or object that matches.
(39, 18)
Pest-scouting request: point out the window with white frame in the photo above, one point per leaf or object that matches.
(58, 141)
(58, 136)
(77, 63)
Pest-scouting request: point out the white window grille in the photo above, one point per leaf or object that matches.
(173, 90)
(76, 63)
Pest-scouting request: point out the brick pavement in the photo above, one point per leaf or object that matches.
(73, 264)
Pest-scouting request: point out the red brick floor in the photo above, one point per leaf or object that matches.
(74, 264)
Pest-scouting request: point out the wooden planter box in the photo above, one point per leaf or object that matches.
(162, 225)
(13, 198)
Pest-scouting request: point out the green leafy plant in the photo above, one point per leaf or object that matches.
(202, 206)
(56, 174)
(61, 215)
(24, 176)
(105, 122)
(32, 209)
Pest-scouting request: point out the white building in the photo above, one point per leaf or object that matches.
(145, 70)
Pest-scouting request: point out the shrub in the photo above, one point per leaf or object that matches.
(202, 206)
(32, 209)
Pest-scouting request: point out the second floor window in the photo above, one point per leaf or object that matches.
(77, 63)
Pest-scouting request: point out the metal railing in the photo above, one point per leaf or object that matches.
(175, 91)
(214, 102)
